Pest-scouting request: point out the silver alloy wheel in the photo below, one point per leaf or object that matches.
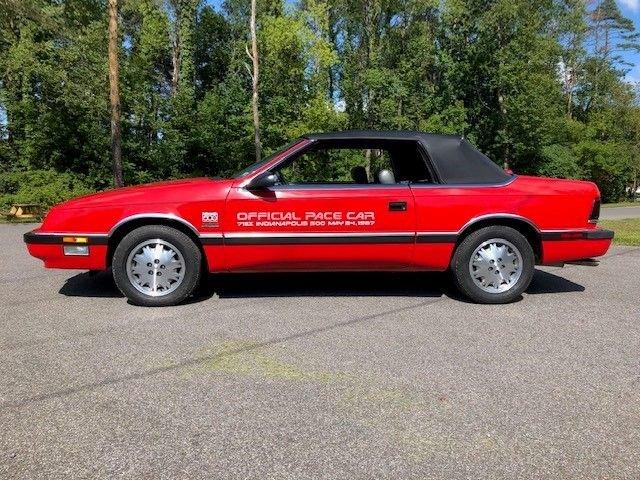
(496, 266)
(155, 267)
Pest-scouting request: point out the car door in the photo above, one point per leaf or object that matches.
(328, 224)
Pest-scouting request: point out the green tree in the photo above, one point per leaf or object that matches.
(538, 85)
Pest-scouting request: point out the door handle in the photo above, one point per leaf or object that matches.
(397, 206)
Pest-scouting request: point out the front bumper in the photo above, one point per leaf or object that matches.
(49, 247)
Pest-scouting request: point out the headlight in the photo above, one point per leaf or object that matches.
(75, 250)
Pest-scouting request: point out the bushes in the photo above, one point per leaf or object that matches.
(560, 161)
(605, 163)
(44, 187)
(608, 165)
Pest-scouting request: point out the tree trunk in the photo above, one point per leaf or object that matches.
(114, 95)
(367, 163)
(174, 36)
(255, 78)
(569, 75)
(332, 34)
(175, 65)
(503, 110)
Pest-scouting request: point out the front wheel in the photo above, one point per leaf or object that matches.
(493, 265)
(156, 266)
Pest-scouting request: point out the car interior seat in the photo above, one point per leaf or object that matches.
(359, 175)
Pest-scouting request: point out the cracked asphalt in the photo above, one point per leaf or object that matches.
(320, 376)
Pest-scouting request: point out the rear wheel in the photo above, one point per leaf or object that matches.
(156, 265)
(493, 265)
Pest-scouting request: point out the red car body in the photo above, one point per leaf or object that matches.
(403, 226)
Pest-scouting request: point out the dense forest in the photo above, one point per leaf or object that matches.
(539, 86)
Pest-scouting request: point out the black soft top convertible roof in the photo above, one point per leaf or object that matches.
(455, 160)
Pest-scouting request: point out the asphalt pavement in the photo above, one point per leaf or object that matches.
(330, 376)
(619, 213)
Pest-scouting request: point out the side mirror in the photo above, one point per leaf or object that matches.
(264, 180)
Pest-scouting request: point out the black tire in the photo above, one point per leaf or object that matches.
(462, 257)
(187, 249)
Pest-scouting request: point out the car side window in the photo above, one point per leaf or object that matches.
(336, 166)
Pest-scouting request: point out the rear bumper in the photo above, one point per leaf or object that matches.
(600, 234)
(566, 246)
(50, 249)
(595, 234)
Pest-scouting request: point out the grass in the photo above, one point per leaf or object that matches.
(626, 203)
(245, 358)
(627, 231)
(4, 219)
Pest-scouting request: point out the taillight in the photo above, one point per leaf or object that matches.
(595, 211)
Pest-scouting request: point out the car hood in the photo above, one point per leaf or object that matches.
(194, 189)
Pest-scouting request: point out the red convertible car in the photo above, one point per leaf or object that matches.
(333, 201)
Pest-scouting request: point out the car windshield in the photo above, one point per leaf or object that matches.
(256, 165)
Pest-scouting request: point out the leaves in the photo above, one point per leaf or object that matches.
(538, 85)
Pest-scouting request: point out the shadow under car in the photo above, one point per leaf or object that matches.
(318, 284)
